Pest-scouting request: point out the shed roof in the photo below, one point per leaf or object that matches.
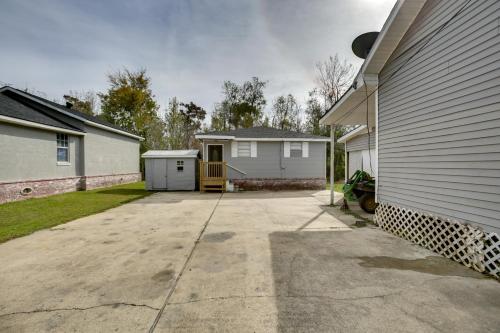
(193, 153)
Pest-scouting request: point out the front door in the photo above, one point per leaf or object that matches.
(214, 153)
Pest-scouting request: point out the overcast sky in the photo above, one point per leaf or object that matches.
(189, 47)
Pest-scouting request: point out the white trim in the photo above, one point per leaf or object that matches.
(283, 139)
(346, 165)
(220, 137)
(214, 137)
(236, 169)
(352, 134)
(215, 144)
(397, 24)
(68, 162)
(110, 129)
(69, 114)
(182, 154)
(253, 149)
(322, 120)
(286, 149)
(234, 149)
(332, 164)
(28, 123)
(63, 163)
(395, 27)
(305, 149)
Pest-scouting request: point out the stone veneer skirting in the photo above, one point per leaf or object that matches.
(280, 184)
(12, 191)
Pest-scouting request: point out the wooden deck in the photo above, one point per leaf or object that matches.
(213, 176)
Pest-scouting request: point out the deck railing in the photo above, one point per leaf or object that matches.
(213, 175)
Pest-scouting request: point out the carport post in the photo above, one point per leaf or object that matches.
(332, 164)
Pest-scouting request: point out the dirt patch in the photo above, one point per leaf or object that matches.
(218, 237)
(431, 265)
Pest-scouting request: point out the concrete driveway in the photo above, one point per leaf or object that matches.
(243, 262)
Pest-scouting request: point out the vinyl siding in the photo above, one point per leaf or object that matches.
(439, 117)
(360, 142)
(270, 162)
(181, 181)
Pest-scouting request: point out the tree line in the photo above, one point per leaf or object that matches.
(130, 104)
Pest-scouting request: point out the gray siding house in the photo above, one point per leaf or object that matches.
(268, 158)
(47, 148)
(432, 78)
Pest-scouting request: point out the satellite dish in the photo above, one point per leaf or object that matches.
(362, 45)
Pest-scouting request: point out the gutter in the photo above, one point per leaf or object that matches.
(27, 123)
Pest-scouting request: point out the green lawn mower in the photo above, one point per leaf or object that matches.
(361, 187)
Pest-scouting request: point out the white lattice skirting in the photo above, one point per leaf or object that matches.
(461, 242)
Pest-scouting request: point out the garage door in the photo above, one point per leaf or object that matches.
(159, 174)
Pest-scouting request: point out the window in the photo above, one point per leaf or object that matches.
(180, 166)
(295, 149)
(244, 149)
(62, 148)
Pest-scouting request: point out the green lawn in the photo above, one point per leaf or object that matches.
(24, 217)
(338, 187)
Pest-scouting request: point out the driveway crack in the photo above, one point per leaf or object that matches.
(114, 305)
(188, 259)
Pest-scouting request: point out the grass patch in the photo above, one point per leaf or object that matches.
(22, 218)
(337, 187)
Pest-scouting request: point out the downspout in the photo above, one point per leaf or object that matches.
(332, 164)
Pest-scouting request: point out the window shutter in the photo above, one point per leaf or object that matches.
(286, 150)
(234, 149)
(305, 149)
(253, 149)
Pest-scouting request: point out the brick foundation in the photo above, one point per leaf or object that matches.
(92, 182)
(13, 191)
(279, 184)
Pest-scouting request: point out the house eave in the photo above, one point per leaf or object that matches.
(349, 110)
(352, 134)
(69, 114)
(210, 137)
(27, 123)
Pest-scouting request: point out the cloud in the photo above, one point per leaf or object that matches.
(188, 47)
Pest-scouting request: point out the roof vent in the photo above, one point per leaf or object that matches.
(69, 105)
(362, 45)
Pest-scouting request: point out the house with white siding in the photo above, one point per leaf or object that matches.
(430, 86)
(48, 148)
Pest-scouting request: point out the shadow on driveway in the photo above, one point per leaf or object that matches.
(366, 280)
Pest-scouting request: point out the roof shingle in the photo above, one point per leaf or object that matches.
(264, 133)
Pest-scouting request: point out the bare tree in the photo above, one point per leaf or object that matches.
(286, 113)
(333, 78)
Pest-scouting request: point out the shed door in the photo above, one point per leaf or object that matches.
(159, 174)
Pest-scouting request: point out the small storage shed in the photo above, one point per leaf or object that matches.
(172, 170)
